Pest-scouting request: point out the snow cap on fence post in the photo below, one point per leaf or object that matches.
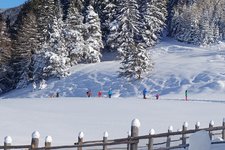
(135, 125)
(152, 132)
(184, 136)
(80, 140)
(48, 141)
(7, 142)
(211, 123)
(105, 134)
(170, 129)
(197, 125)
(36, 134)
(35, 139)
(151, 139)
(81, 135)
(105, 138)
(185, 124)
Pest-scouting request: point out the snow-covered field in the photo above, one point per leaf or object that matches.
(178, 67)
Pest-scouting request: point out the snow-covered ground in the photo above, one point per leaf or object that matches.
(178, 67)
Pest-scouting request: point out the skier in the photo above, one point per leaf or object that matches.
(157, 96)
(100, 93)
(110, 93)
(89, 93)
(144, 93)
(57, 94)
(186, 94)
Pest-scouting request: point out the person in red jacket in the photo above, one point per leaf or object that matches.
(100, 93)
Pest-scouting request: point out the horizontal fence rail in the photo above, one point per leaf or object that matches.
(131, 142)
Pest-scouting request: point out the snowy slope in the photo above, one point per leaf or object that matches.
(178, 67)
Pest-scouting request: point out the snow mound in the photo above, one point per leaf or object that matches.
(200, 141)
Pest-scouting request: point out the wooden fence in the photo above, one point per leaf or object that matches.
(129, 143)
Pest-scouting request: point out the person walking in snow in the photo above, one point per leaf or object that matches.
(89, 93)
(100, 93)
(186, 94)
(157, 96)
(144, 93)
(110, 93)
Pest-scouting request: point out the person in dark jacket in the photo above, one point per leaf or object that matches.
(110, 93)
(89, 93)
(186, 95)
(144, 93)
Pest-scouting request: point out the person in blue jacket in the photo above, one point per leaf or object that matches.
(110, 93)
(144, 93)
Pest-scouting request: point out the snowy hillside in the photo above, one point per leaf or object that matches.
(178, 67)
(2, 10)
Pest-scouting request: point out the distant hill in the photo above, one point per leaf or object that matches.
(2, 10)
(11, 13)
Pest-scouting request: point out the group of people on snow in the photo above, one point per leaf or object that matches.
(43, 85)
(89, 93)
(157, 95)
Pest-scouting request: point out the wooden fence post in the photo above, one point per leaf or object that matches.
(7, 142)
(135, 125)
(35, 139)
(168, 140)
(129, 136)
(80, 140)
(211, 124)
(184, 136)
(105, 138)
(151, 140)
(48, 142)
(197, 125)
(223, 132)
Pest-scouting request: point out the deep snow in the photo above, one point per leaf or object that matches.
(178, 67)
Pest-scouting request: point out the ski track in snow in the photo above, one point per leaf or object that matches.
(178, 66)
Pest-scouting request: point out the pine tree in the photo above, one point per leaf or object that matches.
(74, 32)
(25, 44)
(56, 53)
(45, 10)
(154, 16)
(6, 71)
(131, 47)
(128, 25)
(93, 37)
(136, 63)
(107, 10)
(198, 22)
